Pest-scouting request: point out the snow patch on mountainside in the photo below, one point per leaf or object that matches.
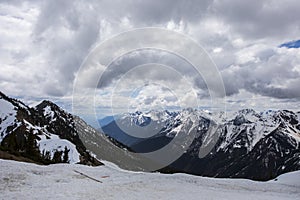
(7, 117)
(6, 107)
(256, 126)
(48, 112)
(53, 143)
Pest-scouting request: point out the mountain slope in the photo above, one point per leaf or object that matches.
(45, 133)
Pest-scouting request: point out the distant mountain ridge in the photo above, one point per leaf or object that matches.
(253, 145)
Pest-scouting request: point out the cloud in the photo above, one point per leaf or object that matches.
(43, 44)
(260, 19)
(270, 72)
(70, 29)
(128, 62)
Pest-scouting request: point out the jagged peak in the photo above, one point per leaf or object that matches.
(46, 103)
(247, 111)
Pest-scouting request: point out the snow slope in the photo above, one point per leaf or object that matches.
(61, 181)
(7, 116)
(53, 143)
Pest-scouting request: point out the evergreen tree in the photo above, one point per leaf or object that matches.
(57, 157)
(46, 155)
(66, 155)
(31, 148)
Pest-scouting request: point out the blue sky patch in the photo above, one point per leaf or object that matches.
(291, 44)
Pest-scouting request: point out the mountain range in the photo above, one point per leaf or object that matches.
(242, 144)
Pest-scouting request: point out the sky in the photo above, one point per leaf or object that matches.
(254, 46)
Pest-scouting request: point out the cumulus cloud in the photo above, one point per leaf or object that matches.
(43, 44)
(269, 72)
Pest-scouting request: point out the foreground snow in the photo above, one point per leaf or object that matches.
(62, 181)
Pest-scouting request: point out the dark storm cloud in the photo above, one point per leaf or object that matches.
(272, 91)
(137, 59)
